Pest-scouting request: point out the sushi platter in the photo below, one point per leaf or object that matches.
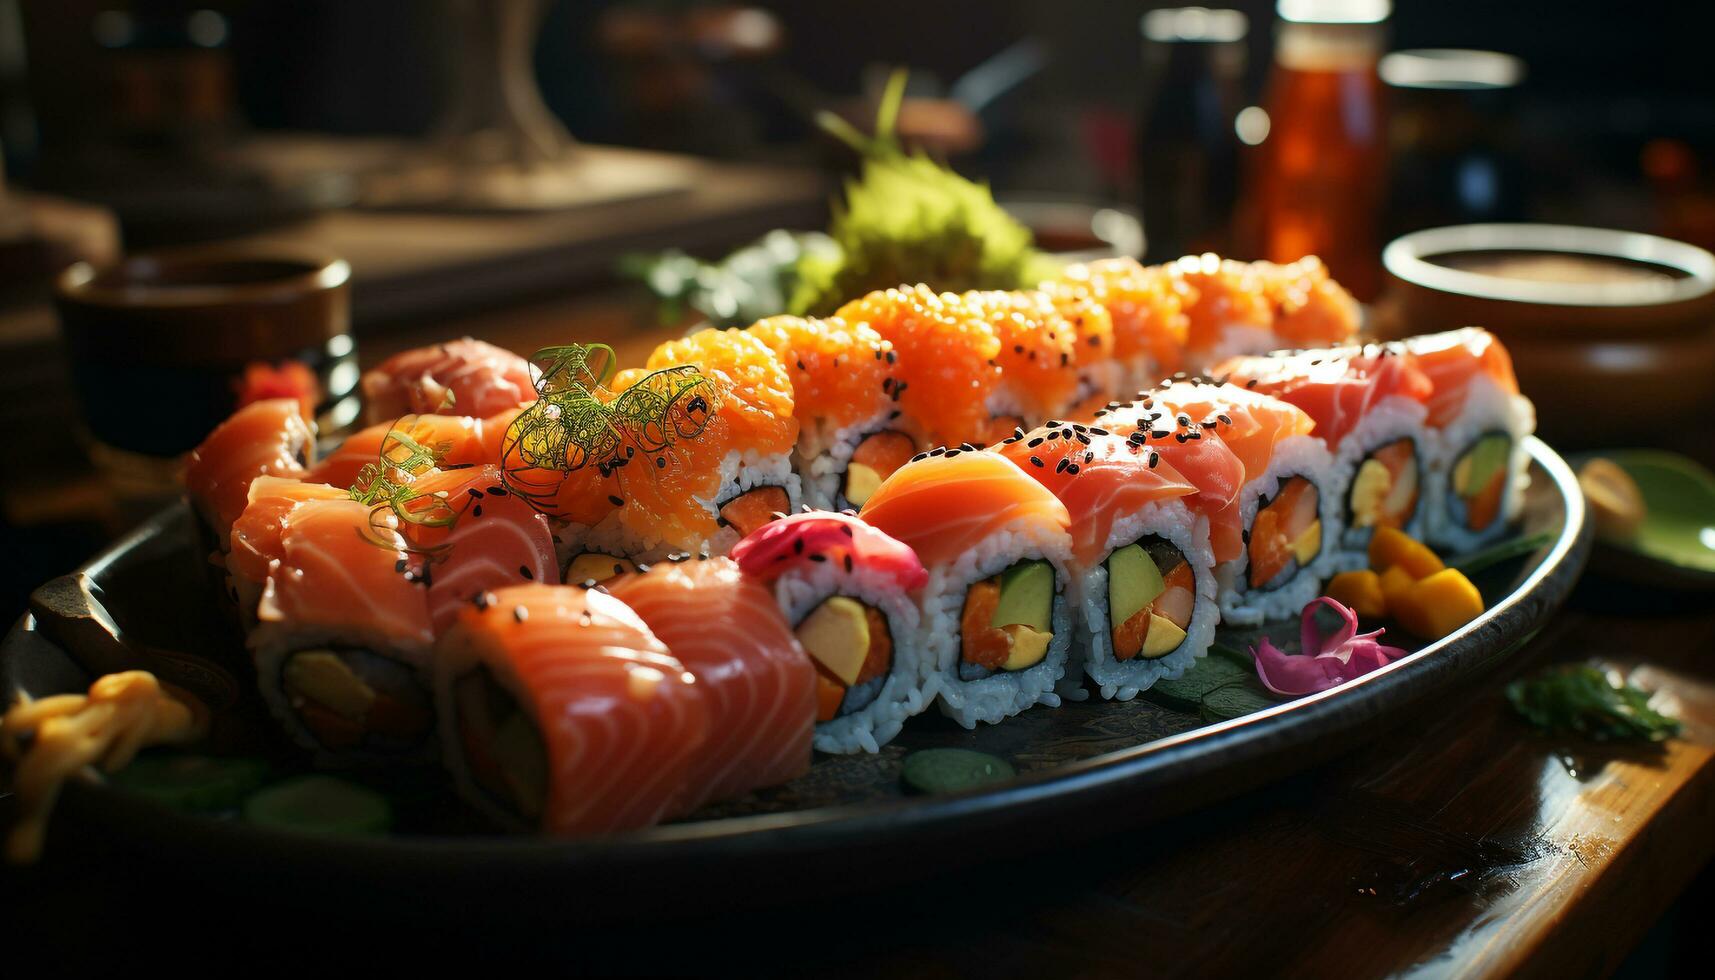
(800, 597)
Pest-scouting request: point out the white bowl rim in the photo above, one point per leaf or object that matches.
(1404, 258)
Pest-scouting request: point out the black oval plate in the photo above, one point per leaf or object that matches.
(1084, 769)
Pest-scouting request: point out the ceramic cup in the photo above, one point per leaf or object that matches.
(1612, 333)
(164, 346)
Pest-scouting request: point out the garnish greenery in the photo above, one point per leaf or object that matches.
(1220, 686)
(577, 422)
(906, 219)
(1581, 699)
(1514, 547)
(388, 486)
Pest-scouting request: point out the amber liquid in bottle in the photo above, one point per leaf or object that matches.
(1317, 181)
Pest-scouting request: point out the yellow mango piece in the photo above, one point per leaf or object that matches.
(1438, 605)
(861, 483)
(597, 567)
(1308, 544)
(1362, 591)
(324, 678)
(1395, 583)
(1391, 547)
(1026, 646)
(837, 636)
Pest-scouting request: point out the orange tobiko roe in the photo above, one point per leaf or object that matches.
(946, 370)
(836, 368)
(1037, 347)
(1227, 293)
(1146, 307)
(757, 400)
(1311, 309)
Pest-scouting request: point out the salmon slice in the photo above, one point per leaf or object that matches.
(255, 541)
(759, 685)
(466, 440)
(1100, 481)
(619, 722)
(1452, 361)
(345, 570)
(1199, 454)
(874, 460)
(946, 504)
(265, 438)
(495, 539)
(1336, 388)
(460, 377)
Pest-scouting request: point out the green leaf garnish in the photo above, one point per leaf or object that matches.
(1499, 552)
(1220, 686)
(1581, 699)
(388, 487)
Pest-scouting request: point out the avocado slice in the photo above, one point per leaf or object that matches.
(1133, 582)
(1026, 597)
(1164, 636)
(1480, 464)
(836, 635)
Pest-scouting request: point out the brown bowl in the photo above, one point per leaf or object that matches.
(1609, 330)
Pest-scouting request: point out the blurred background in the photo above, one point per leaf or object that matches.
(505, 169)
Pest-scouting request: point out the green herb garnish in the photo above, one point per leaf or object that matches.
(388, 487)
(576, 422)
(1220, 686)
(1581, 699)
(1501, 551)
(910, 219)
(752, 283)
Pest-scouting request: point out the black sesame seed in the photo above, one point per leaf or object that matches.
(1224, 418)
(476, 511)
(496, 491)
(798, 546)
(1071, 469)
(1035, 461)
(1061, 466)
(525, 571)
(616, 501)
(848, 561)
(1153, 459)
(660, 462)
(818, 556)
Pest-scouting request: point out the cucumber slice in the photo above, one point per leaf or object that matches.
(320, 805)
(200, 783)
(951, 770)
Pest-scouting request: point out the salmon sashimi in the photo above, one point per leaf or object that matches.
(838, 373)
(1230, 313)
(264, 438)
(759, 685)
(947, 372)
(255, 541)
(1310, 308)
(1038, 347)
(460, 377)
(565, 713)
(1146, 309)
(476, 536)
(1453, 361)
(1197, 451)
(944, 504)
(346, 570)
(672, 490)
(457, 439)
(1336, 388)
(1251, 423)
(1101, 477)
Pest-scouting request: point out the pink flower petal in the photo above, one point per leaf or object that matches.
(1324, 662)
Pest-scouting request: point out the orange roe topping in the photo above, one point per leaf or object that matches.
(1037, 347)
(1228, 294)
(946, 360)
(836, 368)
(1145, 304)
(757, 403)
(1311, 309)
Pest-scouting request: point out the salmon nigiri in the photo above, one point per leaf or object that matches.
(462, 377)
(562, 711)
(757, 681)
(948, 501)
(255, 541)
(264, 438)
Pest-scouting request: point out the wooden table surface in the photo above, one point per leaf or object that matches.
(1463, 843)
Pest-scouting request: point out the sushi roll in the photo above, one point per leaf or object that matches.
(264, 438)
(343, 636)
(1369, 406)
(1038, 373)
(948, 379)
(705, 490)
(255, 541)
(460, 377)
(1287, 505)
(561, 712)
(1310, 308)
(842, 377)
(473, 535)
(759, 686)
(997, 609)
(1478, 464)
(456, 440)
(1228, 313)
(1146, 312)
(1142, 569)
(847, 590)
